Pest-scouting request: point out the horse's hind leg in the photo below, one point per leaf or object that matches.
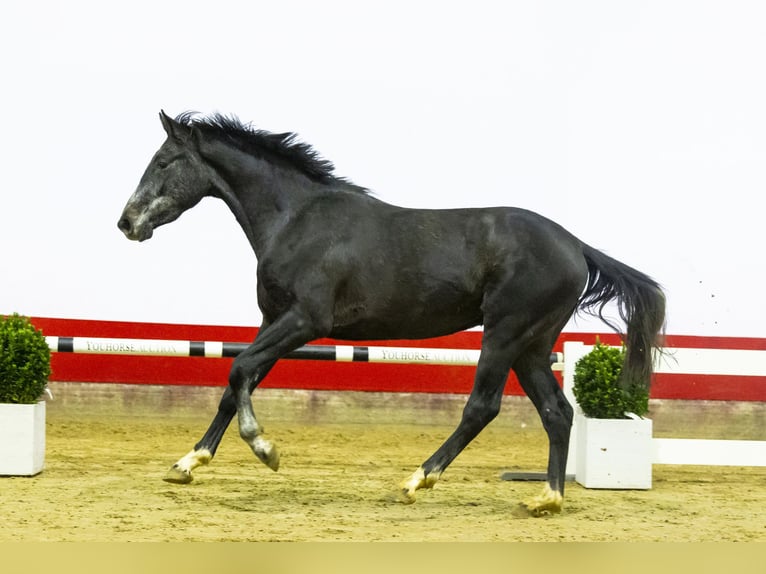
(482, 406)
(540, 385)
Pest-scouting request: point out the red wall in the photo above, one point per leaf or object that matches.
(298, 374)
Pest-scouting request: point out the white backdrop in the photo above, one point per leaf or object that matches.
(640, 126)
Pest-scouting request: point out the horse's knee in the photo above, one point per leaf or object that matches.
(237, 375)
(245, 374)
(481, 411)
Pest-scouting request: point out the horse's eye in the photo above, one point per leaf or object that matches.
(162, 164)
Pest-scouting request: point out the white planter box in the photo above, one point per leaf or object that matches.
(22, 439)
(614, 453)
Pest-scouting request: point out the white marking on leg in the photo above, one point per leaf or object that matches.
(549, 501)
(416, 481)
(181, 472)
(266, 452)
(193, 459)
(252, 433)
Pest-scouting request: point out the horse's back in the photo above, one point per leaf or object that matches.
(415, 273)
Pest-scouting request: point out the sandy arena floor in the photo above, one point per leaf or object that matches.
(108, 447)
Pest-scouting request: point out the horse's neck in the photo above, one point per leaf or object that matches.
(261, 196)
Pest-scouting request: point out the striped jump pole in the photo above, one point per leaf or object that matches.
(219, 349)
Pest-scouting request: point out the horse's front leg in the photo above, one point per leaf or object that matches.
(286, 334)
(204, 451)
(249, 428)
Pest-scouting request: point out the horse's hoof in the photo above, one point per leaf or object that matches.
(177, 475)
(406, 496)
(522, 510)
(408, 486)
(267, 453)
(416, 481)
(547, 503)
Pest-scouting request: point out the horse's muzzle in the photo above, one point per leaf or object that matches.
(132, 231)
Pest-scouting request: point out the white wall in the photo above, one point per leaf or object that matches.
(640, 126)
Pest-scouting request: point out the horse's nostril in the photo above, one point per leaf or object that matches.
(124, 225)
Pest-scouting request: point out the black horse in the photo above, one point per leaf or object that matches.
(333, 261)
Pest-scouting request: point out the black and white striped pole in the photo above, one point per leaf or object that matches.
(218, 349)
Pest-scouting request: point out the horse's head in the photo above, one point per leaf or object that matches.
(175, 180)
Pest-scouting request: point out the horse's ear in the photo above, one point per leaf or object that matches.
(174, 129)
(167, 122)
(195, 138)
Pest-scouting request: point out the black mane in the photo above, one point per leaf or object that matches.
(284, 147)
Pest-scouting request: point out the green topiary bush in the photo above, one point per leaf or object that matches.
(596, 386)
(25, 361)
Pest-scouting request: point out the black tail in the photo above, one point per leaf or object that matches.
(641, 305)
